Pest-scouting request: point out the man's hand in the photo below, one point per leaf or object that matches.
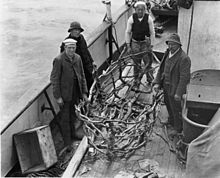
(94, 66)
(85, 98)
(177, 97)
(156, 88)
(128, 48)
(60, 102)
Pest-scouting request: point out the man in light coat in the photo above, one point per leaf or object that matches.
(173, 76)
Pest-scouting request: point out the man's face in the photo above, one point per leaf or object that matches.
(173, 46)
(75, 32)
(70, 49)
(140, 10)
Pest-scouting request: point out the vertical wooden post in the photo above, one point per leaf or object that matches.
(109, 19)
(108, 10)
(110, 43)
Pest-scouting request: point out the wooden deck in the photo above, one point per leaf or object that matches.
(164, 11)
(155, 150)
(170, 27)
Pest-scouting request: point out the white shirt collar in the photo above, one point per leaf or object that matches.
(140, 19)
(171, 55)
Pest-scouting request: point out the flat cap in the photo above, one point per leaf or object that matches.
(142, 3)
(69, 41)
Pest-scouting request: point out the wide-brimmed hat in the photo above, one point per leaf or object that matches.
(174, 38)
(75, 25)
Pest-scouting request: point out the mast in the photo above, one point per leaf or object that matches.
(108, 18)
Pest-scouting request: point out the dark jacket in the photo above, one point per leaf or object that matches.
(179, 73)
(62, 76)
(82, 50)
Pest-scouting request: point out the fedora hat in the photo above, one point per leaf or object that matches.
(75, 25)
(174, 38)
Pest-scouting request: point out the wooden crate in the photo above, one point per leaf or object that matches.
(35, 149)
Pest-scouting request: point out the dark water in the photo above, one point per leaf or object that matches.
(31, 32)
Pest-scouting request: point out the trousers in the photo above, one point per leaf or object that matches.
(138, 47)
(68, 120)
(174, 109)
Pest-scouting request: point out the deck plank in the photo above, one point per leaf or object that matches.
(148, 148)
(162, 155)
(166, 160)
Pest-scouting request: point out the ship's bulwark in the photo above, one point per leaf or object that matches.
(31, 34)
(27, 111)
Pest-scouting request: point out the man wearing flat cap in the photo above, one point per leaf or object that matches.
(75, 31)
(139, 37)
(173, 76)
(69, 86)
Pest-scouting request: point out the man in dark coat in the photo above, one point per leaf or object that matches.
(69, 86)
(82, 50)
(173, 76)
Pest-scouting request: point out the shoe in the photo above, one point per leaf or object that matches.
(66, 149)
(168, 123)
(182, 148)
(172, 133)
(69, 148)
